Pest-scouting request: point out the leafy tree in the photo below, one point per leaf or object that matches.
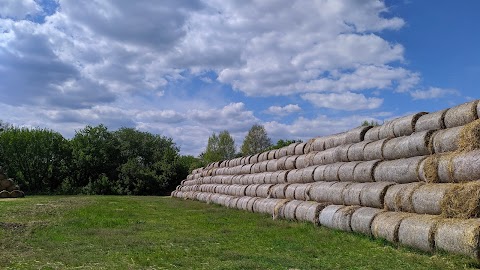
(371, 123)
(282, 143)
(256, 141)
(219, 147)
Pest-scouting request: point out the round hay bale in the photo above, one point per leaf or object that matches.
(341, 152)
(290, 191)
(357, 134)
(268, 178)
(309, 211)
(6, 183)
(362, 218)
(386, 224)
(331, 171)
(404, 126)
(254, 159)
(318, 144)
(469, 137)
(291, 148)
(461, 114)
(400, 170)
(263, 156)
(417, 144)
(364, 171)
(325, 157)
(301, 162)
(355, 152)
(399, 197)
(351, 194)
(282, 152)
(309, 158)
(232, 203)
(246, 169)
(462, 200)
(427, 199)
(294, 176)
(278, 207)
(290, 163)
(459, 236)
(287, 210)
(272, 165)
(281, 163)
(373, 194)
(282, 176)
(346, 171)
(446, 140)
(308, 146)
(326, 215)
(374, 150)
(372, 134)
(335, 192)
(242, 202)
(330, 141)
(250, 203)
(271, 154)
(308, 174)
(319, 191)
(418, 231)
(319, 173)
(263, 190)
(250, 190)
(278, 191)
(258, 178)
(300, 149)
(454, 167)
(302, 191)
(386, 130)
(431, 121)
(342, 218)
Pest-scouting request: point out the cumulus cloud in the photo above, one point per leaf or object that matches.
(18, 9)
(285, 110)
(433, 93)
(345, 101)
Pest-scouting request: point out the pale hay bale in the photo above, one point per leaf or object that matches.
(335, 191)
(290, 163)
(281, 163)
(462, 201)
(278, 191)
(459, 236)
(452, 167)
(461, 114)
(427, 199)
(364, 171)
(373, 134)
(342, 218)
(341, 152)
(272, 165)
(469, 137)
(431, 121)
(290, 191)
(308, 146)
(287, 210)
(326, 215)
(282, 152)
(399, 197)
(291, 148)
(242, 203)
(330, 141)
(302, 191)
(294, 176)
(254, 159)
(256, 167)
(404, 126)
(325, 157)
(355, 152)
(374, 150)
(309, 211)
(250, 190)
(319, 173)
(268, 178)
(258, 178)
(351, 194)
(357, 134)
(301, 162)
(309, 158)
(308, 174)
(418, 231)
(300, 149)
(417, 144)
(400, 170)
(386, 224)
(263, 190)
(250, 203)
(338, 139)
(362, 219)
(282, 176)
(319, 191)
(346, 171)
(446, 140)
(318, 144)
(331, 171)
(263, 157)
(233, 202)
(271, 154)
(263, 166)
(386, 130)
(373, 194)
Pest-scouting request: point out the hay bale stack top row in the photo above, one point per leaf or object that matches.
(412, 180)
(8, 189)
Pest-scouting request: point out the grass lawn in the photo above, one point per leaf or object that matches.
(107, 232)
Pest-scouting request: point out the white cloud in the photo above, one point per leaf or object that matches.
(18, 9)
(433, 93)
(285, 110)
(345, 101)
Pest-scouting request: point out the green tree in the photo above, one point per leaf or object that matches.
(219, 147)
(256, 141)
(366, 123)
(282, 143)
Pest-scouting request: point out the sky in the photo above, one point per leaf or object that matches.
(188, 68)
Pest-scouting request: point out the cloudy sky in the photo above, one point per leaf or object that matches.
(185, 69)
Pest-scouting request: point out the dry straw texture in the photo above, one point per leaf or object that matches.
(417, 144)
(309, 211)
(373, 134)
(287, 210)
(462, 201)
(418, 231)
(373, 194)
(399, 170)
(374, 150)
(399, 197)
(459, 236)
(355, 152)
(431, 121)
(427, 199)
(278, 191)
(364, 171)
(346, 171)
(342, 218)
(386, 224)
(327, 214)
(351, 194)
(362, 219)
(461, 114)
(319, 191)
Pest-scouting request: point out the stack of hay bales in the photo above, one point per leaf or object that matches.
(8, 189)
(412, 180)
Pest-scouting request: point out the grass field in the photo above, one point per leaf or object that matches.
(106, 232)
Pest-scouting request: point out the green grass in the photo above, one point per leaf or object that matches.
(106, 232)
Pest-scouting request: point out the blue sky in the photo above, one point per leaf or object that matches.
(186, 69)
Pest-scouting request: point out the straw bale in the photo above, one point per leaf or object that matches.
(341, 152)
(418, 231)
(318, 174)
(247, 169)
(278, 191)
(309, 158)
(364, 171)
(250, 203)
(287, 210)
(269, 178)
(342, 218)
(301, 162)
(461, 114)
(308, 174)
(362, 219)
(309, 211)
(331, 171)
(318, 144)
(308, 146)
(404, 126)
(242, 203)
(431, 121)
(319, 191)
(374, 150)
(294, 176)
(232, 203)
(272, 165)
(427, 199)
(258, 178)
(446, 140)
(290, 163)
(373, 194)
(326, 215)
(346, 171)
(302, 191)
(271, 154)
(462, 200)
(300, 149)
(325, 157)
(355, 152)
(372, 134)
(291, 148)
(386, 224)
(335, 191)
(459, 236)
(469, 137)
(351, 194)
(282, 152)
(332, 140)
(282, 176)
(399, 197)
(400, 170)
(254, 158)
(263, 190)
(417, 144)
(386, 130)
(277, 207)
(357, 134)
(250, 190)
(281, 163)
(459, 167)
(290, 191)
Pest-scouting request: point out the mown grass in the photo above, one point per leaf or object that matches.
(106, 232)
